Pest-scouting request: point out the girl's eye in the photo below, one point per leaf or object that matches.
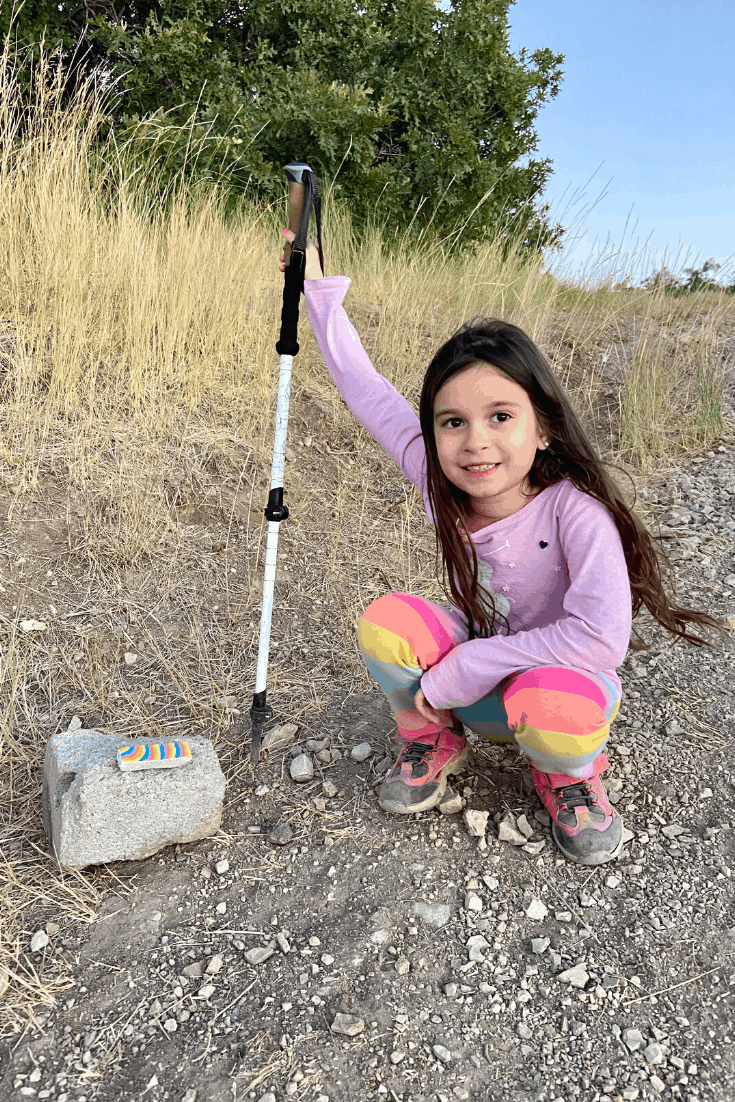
(452, 422)
(505, 416)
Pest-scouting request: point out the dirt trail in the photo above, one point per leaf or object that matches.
(465, 972)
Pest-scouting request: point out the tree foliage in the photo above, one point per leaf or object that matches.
(416, 112)
(703, 278)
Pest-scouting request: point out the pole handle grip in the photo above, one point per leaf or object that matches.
(296, 198)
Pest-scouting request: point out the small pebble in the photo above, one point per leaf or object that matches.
(214, 965)
(260, 954)
(472, 902)
(507, 832)
(349, 1025)
(361, 752)
(476, 823)
(451, 804)
(39, 941)
(633, 1039)
(280, 737)
(575, 977)
(536, 910)
(221, 908)
(302, 768)
(222, 867)
(280, 835)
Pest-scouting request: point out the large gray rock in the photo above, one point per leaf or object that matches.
(94, 813)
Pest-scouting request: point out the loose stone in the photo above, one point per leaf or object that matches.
(575, 977)
(507, 832)
(280, 835)
(633, 1039)
(302, 768)
(451, 804)
(472, 902)
(260, 954)
(347, 1024)
(361, 752)
(476, 823)
(280, 736)
(536, 910)
(39, 941)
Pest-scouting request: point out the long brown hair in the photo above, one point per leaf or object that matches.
(570, 456)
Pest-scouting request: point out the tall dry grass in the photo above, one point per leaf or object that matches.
(121, 311)
(138, 385)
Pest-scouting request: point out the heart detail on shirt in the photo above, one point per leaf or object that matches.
(542, 543)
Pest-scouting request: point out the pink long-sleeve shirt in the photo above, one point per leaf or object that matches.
(556, 567)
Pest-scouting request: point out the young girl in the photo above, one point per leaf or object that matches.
(545, 563)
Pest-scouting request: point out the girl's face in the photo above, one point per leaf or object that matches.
(487, 438)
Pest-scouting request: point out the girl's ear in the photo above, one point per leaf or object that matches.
(544, 434)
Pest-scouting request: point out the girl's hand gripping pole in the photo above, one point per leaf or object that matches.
(303, 194)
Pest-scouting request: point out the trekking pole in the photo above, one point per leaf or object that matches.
(303, 195)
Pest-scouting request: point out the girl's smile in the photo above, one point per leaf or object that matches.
(486, 438)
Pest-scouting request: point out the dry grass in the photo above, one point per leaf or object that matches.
(137, 401)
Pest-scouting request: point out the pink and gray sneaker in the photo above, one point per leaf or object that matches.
(418, 779)
(584, 826)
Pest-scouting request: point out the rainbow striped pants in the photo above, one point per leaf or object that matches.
(558, 715)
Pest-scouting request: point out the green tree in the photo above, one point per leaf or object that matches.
(418, 113)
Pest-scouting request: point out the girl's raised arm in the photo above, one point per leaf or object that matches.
(375, 402)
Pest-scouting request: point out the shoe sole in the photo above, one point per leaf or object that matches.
(591, 858)
(431, 801)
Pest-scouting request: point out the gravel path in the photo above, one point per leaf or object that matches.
(321, 950)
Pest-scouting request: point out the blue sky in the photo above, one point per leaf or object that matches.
(646, 107)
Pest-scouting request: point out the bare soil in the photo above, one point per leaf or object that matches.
(107, 1009)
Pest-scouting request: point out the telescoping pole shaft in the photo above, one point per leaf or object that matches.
(300, 181)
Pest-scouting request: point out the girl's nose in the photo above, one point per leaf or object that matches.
(479, 435)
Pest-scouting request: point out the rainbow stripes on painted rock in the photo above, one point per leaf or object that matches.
(153, 755)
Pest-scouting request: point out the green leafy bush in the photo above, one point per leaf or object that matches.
(419, 115)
